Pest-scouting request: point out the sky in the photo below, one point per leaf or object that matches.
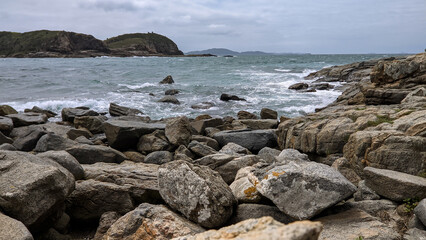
(280, 26)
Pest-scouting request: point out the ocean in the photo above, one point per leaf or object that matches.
(56, 83)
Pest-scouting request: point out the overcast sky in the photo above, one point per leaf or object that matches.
(315, 26)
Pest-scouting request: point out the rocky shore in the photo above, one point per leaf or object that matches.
(353, 170)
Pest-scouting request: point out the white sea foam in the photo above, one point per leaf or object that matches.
(137, 86)
(282, 70)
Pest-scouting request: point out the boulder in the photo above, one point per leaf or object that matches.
(252, 140)
(227, 97)
(246, 115)
(134, 156)
(89, 154)
(200, 150)
(322, 86)
(414, 234)
(342, 165)
(75, 133)
(116, 110)
(4, 139)
(250, 210)
(178, 131)
(55, 142)
(12, 229)
(234, 149)
(171, 92)
(420, 211)
(355, 224)
(26, 119)
(26, 138)
(333, 136)
(291, 155)
(169, 99)
(66, 160)
(68, 114)
(6, 125)
(365, 193)
(7, 146)
(206, 140)
(299, 86)
(167, 80)
(156, 141)
(301, 189)
(159, 157)
(149, 221)
(265, 228)
(32, 189)
(394, 185)
(185, 151)
(123, 134)
(243, 190)
(267, 113)
(256, 124)
(92, 198)
(107, 219)
(198, 192)
(36, 109)
(201, 125)
(91, 123)
(268, 154)
(6, 110)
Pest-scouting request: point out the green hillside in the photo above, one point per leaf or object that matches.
(14, 43)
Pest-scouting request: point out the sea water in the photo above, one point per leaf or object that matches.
(56, 83)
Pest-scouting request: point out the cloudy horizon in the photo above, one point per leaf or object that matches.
(308, 26)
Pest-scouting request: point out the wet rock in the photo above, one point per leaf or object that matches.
(267, 113)
(92, 198)
(89, 154)
(66, 160)
(116, 110)
(301, 189)
(156, 141)
(68, 114)
(26, 119)
(197, 192)
(322, 86)
(171, 92)
(159, 157)
(394, 185)
(234, 149)
(365, 193)
(91, 123)
(55, 142)
(149, 221)
(13, 229)
(167, 80)
(169, 99)
(250, 210)
(6, 110)
(200, 150)
(252, 140)
(265, 228)
(123, 134)
(353, 224)
(420, 211)
(32, 189)
(178, 131)
(36, 109)
(107, 219)
(299, 86)
(268, 154)
(227, 97)
(201, 125)
(6, 125)
(206, 140)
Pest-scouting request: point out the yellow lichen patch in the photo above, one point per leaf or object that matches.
(277, 174)
(250, 192)
(265, 177)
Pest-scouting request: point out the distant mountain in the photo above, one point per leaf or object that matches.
(214, 51)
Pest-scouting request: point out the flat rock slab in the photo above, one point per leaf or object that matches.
(151, 222)
(252, 140)
(265, 228)
(89, 154)
(198, 192)
(394, 185)
(301, 189)
(123, 134)
(355, 224)
(26, 119)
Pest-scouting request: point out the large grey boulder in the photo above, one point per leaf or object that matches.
(301, 189)
(155, 141)
(7, 146)
(91, 123)
(365, 193)
(234, 149)
(267, 113)
(6, 110)
(12, 229)
(36, 109)
(256, 124)
(200, 150)
(169, 99)
(66, 160)
(159, 157)
(51, 141)
(198, 192)
(123, 134)
(394, 185)
(116, 110)
(26, 119)
(89, 154)
(265, 228)
(68, 114)
(6, 125)
(268, 154)
(207, 141)
(201, 125)
(32, 189)
(26, 138)
(92, 198)
(252, 140)
(149, 221)
(420, 211)
(178, 131)
(5, 139)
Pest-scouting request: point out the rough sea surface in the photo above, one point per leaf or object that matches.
(55, 83)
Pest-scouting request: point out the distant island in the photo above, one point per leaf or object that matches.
(45, 43)
(227, 52)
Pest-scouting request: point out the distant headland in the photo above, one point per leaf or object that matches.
(45, 43)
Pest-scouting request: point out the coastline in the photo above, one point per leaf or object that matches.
(352, 161)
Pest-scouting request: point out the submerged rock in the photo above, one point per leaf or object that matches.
(169, 99)
(227, 97)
